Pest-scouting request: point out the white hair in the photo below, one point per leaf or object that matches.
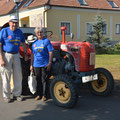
(39, 29)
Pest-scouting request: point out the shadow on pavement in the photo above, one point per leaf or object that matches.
(89, 107)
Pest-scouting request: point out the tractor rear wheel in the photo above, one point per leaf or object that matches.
(63, 91)
(105, 83)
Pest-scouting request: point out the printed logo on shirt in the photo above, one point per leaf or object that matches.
(34, 45)
(14, 40)
(9, 37)
(18, 38)
(15, 43)
(39, 47)
(42, 45)
(39, 50)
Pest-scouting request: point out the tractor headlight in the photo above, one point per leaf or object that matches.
(63, 46)
(92, 58)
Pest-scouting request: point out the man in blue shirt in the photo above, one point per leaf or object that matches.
(41, 59)
(10, 39)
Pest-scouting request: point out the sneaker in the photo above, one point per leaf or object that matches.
(38, 98)
(7, 100)
(18, 98)
(44, 98)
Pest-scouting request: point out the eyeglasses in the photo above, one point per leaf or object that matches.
(39, 32)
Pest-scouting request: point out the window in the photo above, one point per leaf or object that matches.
(17, 6)
(117, 28)
(28, 3)
(89, 28)
(104, 29)
(83, 2)
(24, 25)
(68, 26)
(112, 4)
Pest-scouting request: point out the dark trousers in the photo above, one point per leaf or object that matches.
(42, 76)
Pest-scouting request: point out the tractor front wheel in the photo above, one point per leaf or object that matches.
(63, 91)
(105, 83)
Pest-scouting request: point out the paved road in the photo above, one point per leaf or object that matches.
(89, 107)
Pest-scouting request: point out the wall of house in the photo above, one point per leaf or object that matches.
(25, 22)
(4, 19)
(30, 17)
(78, 19)
(34, 17)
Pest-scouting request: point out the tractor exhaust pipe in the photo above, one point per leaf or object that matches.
(63, 33)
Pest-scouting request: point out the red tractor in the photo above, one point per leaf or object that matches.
(74, 63)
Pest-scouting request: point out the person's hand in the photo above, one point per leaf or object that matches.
(48, 66)
(31, 68)
(2, 62)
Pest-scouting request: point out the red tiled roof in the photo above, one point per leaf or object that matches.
(38, 3)
(35, 3)
(6, 6)
(98, 4)
(103, 4)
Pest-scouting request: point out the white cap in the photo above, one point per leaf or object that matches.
(13, 19)
(31, 38)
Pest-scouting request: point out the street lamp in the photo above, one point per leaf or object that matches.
(17, 10)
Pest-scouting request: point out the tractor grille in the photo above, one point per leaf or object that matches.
(87, 59)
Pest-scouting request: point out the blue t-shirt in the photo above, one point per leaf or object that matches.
(41, 49)
(11, 39)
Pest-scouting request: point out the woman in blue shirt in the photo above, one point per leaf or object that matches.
(41, 58)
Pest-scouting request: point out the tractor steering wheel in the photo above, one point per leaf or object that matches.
(48, 34)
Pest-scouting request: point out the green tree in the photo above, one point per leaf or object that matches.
(96, 36)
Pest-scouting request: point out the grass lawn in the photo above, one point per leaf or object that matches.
(110, 62)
